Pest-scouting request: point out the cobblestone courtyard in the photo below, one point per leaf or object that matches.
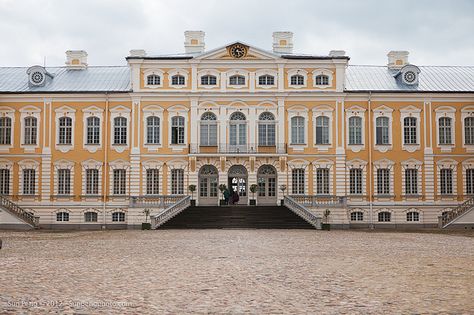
(236, 271)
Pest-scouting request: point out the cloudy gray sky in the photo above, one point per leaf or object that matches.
(435, 32)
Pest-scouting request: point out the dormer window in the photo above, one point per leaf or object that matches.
(178, 80)
(297, 79)
(409, 74)
(208, 80)
(266, 80)
(237, 80)
(321, 80)
(153, 79)
(38, 76)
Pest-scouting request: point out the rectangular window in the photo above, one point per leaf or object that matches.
(322, 181)
(29, 181)
(152, 181)
(177, 181)
(413, 216)
(64, 182)
(120, 181)
(355, 181)
(411, 181)
(177, 130)
(469, 130)
(208, 133)
(31, 130)
(357, 216)
(90, 217)
(297, 181)
(383, 181)
(409, 130)
(297, 130)
(118, 217)
(4, 181)
(355, 130)
(93, 130)
(62, 216)
(382, 133)
(445, 130)
(120, 130)
(470, 181)
(446, 181)
(65, 130)
(92, 181)
(5, 130)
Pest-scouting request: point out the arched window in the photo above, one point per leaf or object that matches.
(357, 216)
(90, 216)
(208, 80)
(5, 130)
(322, 130)
(65, 130)
(178, 80)
(238, 129)
(469, 130)
(382, 134)
(321, 80)
(445, 126)
(266, 129)
(297, 79)
(385, 216)
(409, 130)
(237, 80)
(62, 217)
(153, 79)
(208, 134)
(153, 130)
(120, 130)
(177, 130)
(93, 130)
(355, 130)
(413, 216)
(266, 80)
(31, 130)
(297, 130)
(118, 217)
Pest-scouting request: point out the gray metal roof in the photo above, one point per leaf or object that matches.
(93, 79)
(431, 79)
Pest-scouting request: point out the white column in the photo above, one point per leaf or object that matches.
(281, 122)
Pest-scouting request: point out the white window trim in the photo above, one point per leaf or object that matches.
(420, 215)
(61, 210)
(118, 165)
(148, 72)
(28, 164)
(327, 111)
(324, 164)
(418, 165)
(271, 72)
(110, 212)
(326, 72)
(178, 164)
(451, 164)
(302, 72)
(10, 113)
(392, 216)
(178, 110)
(410, 111)
(5, 164)
(91, 164)
(209, 72)
(294, 111)
(240, 72)
(467, 111)
(149, 111)
(383, 111)
(83, 213)
(119, 111)
(357, 164)
(355, 111)
(381, 164)
(152, 164)
(182, 72)
(446, 111)
(294, 164)
(352, 210)
(63, 164)
(92, 111)
(65, 111)
(465, 165)
(30, 111)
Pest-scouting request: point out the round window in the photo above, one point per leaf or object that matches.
(409, 76)
(37, 77)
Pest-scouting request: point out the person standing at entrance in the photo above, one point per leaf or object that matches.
(226, 196)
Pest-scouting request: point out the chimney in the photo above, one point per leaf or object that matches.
(76, 59)
(194, 42)
(337, 53)
(137, 53)
(397, 59)
(283, 42)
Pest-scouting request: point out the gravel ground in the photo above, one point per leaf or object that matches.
(235, 272)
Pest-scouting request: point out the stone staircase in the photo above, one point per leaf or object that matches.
(235, 217)
(454, 215)
(18, 212)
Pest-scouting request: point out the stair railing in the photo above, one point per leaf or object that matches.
(163, 216)
(455, 213)
(316, 201)
(303, 212)
(19, 212)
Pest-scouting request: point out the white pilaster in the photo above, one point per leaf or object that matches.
(281, 121)
(281, 78)
(252, 125)
(194, 121)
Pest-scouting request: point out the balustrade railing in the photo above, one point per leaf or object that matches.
(171, 211)
(449, 217)
(318, 201)
(154, 201)
(303, 212)
(19, 212)
(249, 148)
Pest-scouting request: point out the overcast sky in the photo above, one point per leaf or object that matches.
(435, 32)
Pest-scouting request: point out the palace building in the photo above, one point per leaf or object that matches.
(89, 146)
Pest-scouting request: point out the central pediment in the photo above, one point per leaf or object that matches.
(237, 51)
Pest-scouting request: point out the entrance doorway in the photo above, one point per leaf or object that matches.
(238, 179)
(267, 185)
(208, 182)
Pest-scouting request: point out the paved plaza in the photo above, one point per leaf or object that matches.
(236, 272)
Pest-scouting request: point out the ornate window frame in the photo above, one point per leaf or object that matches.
(355, 210)
(152, 164)
(326, 111)
(63, 164)
(326, 72)
(410, 111)
(420, 215)
(178, 110)
(412, 164)
(383, 111)
(8, 112)
(355, 111)
(213, 72)
(152, 71)
(294, 111)
(293, 72)
(6, 164)
(467, 111)
(91, 164)
(323, 164)
(65, 111)
(392, 216)
(174, 72)
(177, 164)
(356, 164)
(28, 164)
(239, 72)
(467, 164)
(273, 73)
(119, 111)
(447, 164)
(296, 164)
(30, 111)
(92, 111)
(450, 112)
(384, 164)
(118, 165)
(149, 111)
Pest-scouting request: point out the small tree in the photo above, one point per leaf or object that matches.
(253, 189)
(326, 214)
(192, 189)
(147, 214)
(222, 188)
(283, 188)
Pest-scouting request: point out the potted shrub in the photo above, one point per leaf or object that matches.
(326, 226)
(253, 189)
(283, 188)
(192, 189)
(146, 225)
(222, 189)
